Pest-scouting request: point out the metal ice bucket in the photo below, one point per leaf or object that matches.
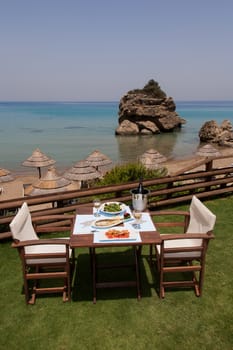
(139, 200)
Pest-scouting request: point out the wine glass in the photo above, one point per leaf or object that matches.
(96, 203)
(137, 215)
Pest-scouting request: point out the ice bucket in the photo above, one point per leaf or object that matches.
(139, 200)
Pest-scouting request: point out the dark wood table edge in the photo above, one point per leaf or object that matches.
(86, 240)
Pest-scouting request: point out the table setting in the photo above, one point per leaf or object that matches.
(113, 221)
(113, 224)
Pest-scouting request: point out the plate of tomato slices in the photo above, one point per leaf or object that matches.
(116, 234)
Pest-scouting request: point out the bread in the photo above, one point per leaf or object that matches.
(108, 222)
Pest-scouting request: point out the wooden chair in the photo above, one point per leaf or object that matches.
(184, 254)
(43, 259)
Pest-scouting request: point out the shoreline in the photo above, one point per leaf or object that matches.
(170, 163)
(69, 133)
(15, 188)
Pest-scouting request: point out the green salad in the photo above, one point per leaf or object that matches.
(112, 207)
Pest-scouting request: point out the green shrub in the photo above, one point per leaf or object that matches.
(152, 89)
(130, 172)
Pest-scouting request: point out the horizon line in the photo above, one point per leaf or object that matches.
(104, 101)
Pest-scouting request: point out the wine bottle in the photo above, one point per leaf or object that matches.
(140, 189)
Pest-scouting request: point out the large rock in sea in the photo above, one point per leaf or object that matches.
(219, 134)
(143, 112)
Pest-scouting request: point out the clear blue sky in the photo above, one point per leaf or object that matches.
(97, 50)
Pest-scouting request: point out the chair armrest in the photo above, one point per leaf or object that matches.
(169, 212)
(192, 247)
(52, 241)
(168, 237)
(175, 223)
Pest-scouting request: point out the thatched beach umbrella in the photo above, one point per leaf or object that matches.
(50, 183)
(5, 175)
(82, 171)
(210, 152)
(38, 160)
(152, 159)
(99, 161)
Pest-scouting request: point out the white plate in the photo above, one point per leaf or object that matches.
(100, 237)
(122, 206)
(109, 223)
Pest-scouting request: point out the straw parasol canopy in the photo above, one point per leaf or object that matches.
(38, 160)
(152, 159)
(5, 175)
(208, 151)
(82, 171)
(50, 183)
(99, 161)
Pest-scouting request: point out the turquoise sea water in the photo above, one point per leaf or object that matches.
(69, 132)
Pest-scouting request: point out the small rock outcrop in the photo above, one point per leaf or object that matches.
(147, 111)
(221, 135)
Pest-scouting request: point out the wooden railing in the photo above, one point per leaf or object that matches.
(164, 191)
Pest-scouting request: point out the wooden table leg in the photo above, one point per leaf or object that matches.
(137, 255)
(93, 260)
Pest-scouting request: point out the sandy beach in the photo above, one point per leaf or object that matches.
(174, 166)
(15, 188)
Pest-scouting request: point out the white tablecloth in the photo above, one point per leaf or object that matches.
(83, 224)
(146, 223)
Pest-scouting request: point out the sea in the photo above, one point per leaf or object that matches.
(69, 131)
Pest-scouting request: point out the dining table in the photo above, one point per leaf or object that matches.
(86, 234)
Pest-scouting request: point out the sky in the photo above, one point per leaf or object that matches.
(98, 50)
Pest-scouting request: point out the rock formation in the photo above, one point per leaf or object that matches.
(221, 135)
(147, 111)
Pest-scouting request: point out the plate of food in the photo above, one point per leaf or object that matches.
(117, 234)
(107, 223)
(127, 217)
(112, 208)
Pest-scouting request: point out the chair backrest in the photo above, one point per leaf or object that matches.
(21, 226)
(202, 220)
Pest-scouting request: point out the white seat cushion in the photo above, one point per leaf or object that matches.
(180, 243)
(46, 248)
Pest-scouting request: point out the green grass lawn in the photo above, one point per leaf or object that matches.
(118, 320)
